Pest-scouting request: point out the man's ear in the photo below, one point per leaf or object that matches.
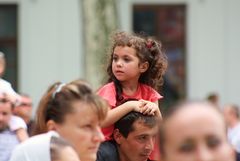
(117, 136)
(144, 67)
(51, 125)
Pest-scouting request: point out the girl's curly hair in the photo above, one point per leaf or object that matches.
(147, 49)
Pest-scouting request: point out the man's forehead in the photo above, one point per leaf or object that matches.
(140, 126)
(25, 99)
(5, 108)
(5, 103)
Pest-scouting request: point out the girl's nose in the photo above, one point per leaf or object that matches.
(119, 63)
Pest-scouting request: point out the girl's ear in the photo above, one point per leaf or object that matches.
(144, 67)
(117, 136)
(51, 125)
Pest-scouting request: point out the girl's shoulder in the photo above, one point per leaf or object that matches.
(109, 87)
(149, 93)
(147, 88)
(108, 92)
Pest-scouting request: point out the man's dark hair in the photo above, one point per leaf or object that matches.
(125, 124)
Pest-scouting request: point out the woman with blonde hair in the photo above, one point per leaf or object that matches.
(75, 112)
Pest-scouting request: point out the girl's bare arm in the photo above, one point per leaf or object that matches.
(118, 112)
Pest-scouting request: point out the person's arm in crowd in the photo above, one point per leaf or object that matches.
(22, 134)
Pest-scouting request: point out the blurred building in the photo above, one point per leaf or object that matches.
(45, 41)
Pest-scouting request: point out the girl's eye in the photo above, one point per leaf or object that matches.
(127, 60)
(114, 58)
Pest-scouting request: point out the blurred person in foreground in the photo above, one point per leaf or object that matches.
(75, 112)
(194, 131)
(232, 118)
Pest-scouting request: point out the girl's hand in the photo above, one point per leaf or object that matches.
(149, 108)
(135, 105)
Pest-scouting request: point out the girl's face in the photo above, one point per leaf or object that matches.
(196, 134)
(126, 65)
(82, 129)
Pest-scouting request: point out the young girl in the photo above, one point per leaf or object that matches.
(135, 70)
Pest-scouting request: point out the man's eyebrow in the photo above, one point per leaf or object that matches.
(143, 135)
